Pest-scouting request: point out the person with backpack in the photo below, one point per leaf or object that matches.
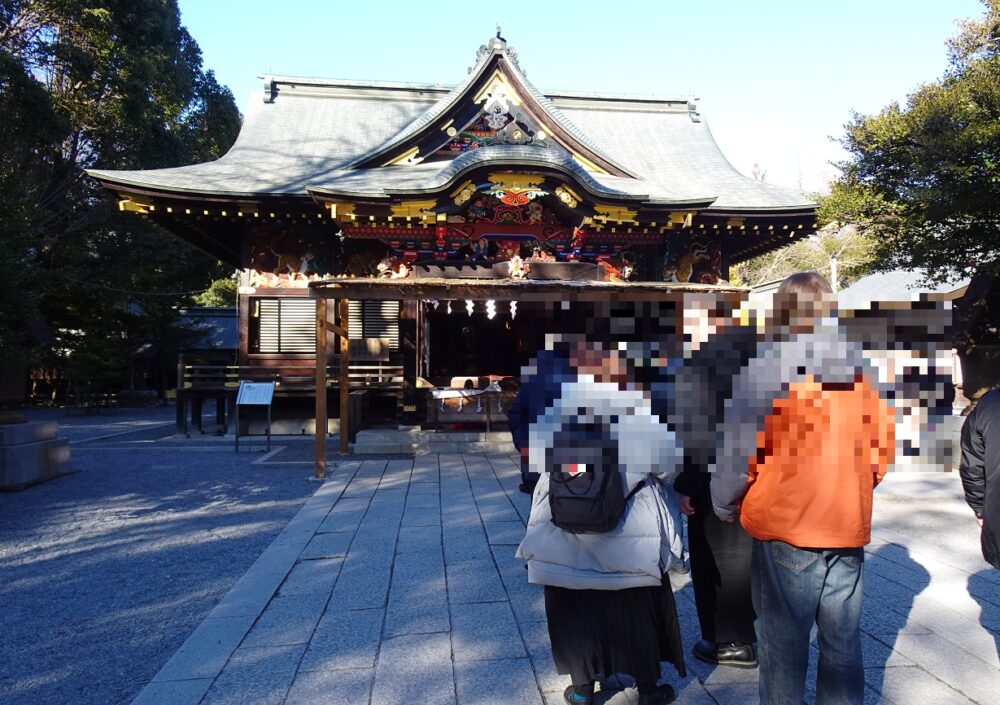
(806, 437)
(603, 529)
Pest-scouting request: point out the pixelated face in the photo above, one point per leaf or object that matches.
(799, 312)
(697, 327)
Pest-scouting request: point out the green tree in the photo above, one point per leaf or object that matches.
(835, 246)
(107, 84)
(923, 180)
(222, 292)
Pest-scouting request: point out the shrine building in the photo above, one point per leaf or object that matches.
(338, 179)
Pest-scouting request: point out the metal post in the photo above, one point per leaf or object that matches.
(321, 416)
(181, 409)
(345, 423)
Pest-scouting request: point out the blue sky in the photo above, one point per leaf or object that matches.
(776, 79)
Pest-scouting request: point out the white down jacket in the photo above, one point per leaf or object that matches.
(639, 549)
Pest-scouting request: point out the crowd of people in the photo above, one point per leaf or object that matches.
(770, 443)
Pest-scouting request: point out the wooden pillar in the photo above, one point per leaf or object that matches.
(409, 346)
(345, 415)
(321, 416)
(723, 256)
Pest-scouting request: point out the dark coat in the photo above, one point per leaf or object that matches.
(980, 470)
(695, 401)
(541, 381)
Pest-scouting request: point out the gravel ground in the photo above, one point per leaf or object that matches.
(105, 572)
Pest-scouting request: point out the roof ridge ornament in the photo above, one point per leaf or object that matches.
(496, 44)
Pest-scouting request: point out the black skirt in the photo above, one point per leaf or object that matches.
(603, 632)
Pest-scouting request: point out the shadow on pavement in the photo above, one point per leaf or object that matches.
(984, 587)
(903, 579)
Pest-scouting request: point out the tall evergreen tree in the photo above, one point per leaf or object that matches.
(114, 84)
(923, 180)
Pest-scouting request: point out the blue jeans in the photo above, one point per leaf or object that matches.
(793, 588)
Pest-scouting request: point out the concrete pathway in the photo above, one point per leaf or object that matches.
(397, 583)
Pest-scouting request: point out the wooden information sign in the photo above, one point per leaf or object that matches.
(254, 394)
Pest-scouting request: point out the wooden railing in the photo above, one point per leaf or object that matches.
(299, 378)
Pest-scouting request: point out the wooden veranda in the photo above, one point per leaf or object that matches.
(341, 291)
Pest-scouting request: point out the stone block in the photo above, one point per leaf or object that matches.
(256, 675)
(206, 651)
(249, 596)
(173, 692)
(341, 687)
(485, 632)
(312, 577)
(476, 580)
(536, 639)
(415, 668)
(362, 585)
(914, 685)
(16, 434)
(344, 639)
(287, 620)
(32, 462)
(418, 602)
(489, 682)
(527, 600)
(504, 533)
(419, 539)
(328, 545)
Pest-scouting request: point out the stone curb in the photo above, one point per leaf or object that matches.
(190, 672)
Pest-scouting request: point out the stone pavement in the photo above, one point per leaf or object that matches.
(397, 583)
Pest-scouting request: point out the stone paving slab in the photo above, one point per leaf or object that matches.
(204, 654)
(188, 692)
(485, 632)
(287, 620)
(348, 639)
(341, 687)
(256, 675)
(490, 682)
(416, 666)
(473, 581)
(398, 583)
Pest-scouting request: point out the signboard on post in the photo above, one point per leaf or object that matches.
(254, 394)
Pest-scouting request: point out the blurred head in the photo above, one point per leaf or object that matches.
(704, 315)
(801, 300)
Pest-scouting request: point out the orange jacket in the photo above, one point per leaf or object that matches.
(820, 454)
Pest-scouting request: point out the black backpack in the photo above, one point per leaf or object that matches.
(585, 482)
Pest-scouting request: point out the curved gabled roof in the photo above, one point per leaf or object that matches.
(309, 134)
(432, 177)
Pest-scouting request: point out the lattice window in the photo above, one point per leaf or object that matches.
(283, 325)
(374, 320)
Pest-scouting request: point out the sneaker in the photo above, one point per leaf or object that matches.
(571, 697)
(728, 654)
(661, 696)
(527, 487)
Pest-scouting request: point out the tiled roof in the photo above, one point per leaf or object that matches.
(312, 130)
(434, 176)
(897, 285)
